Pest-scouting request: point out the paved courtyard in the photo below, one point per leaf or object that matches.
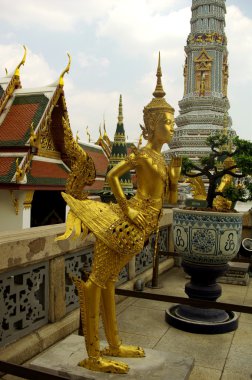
(223, 356)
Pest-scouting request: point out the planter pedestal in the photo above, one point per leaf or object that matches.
(202, 286)
(207, 241)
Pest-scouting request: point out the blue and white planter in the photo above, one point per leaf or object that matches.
(207, 241)
(204, 237)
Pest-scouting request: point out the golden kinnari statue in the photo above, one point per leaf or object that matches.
(121, 229)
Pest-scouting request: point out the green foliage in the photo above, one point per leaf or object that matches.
(235, 193)
(187, 165)
(213, 166)
(217, 140)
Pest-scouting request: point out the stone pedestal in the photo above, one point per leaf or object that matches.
(63, 358)
(237, 274)
(202, 286)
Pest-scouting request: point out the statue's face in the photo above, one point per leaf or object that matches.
(165, 128)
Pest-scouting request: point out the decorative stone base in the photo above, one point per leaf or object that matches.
(234, 280)
(237, 274)
(201, 321)
(63, 358)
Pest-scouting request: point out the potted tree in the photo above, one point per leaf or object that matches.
(208, 232)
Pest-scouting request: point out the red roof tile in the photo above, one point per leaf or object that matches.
(97, 185)
(42, 169)
(17, 121)
(5, 165)
(100, 161)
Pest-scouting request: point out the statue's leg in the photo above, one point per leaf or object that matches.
(115, 347)
(89, 298)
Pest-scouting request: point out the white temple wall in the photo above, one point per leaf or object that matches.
(26, 218)
(13, 215)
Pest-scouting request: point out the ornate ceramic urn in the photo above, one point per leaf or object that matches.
(209, 238)
(207, 241)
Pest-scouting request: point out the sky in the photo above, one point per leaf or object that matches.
(114, 46)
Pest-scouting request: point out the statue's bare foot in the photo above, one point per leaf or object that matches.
(104, 365)
(124, 351)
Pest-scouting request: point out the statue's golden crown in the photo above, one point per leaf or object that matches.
(158, 103)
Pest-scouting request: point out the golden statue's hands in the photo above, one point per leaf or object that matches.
(136, 217)
(174, 169)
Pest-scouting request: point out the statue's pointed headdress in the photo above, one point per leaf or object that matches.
(158, 102)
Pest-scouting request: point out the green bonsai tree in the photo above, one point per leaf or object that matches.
(227, 168)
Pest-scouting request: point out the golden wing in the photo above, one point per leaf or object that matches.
(82, 166)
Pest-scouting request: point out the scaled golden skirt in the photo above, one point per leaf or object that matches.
(112, 227)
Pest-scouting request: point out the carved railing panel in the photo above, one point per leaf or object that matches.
(123, 275)
(23, 301)
(75, 265)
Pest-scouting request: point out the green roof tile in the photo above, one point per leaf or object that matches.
(1, 91)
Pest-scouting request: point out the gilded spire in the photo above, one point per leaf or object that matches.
(66, 70)
(159, 91)
(120, 114)
(17, 72)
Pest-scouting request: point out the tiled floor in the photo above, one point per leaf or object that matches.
(223, 356)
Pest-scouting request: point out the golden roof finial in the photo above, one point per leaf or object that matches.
(100, 131)
(19, 172)
(120, 114)
(88, 134)
(33, 136)
(104, 128)
(159, 91)
(6, 71)
(66, 70)
(17, 72)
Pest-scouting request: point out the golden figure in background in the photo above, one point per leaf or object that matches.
(122, 229)
(197, 187)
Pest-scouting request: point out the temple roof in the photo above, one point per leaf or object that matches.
(32, 151)
(25, 109)
(47, 173)
(98, 156)
(32, 145)
(43, 171)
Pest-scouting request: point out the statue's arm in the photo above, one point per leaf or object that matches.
(113, 178)
(174, 171)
